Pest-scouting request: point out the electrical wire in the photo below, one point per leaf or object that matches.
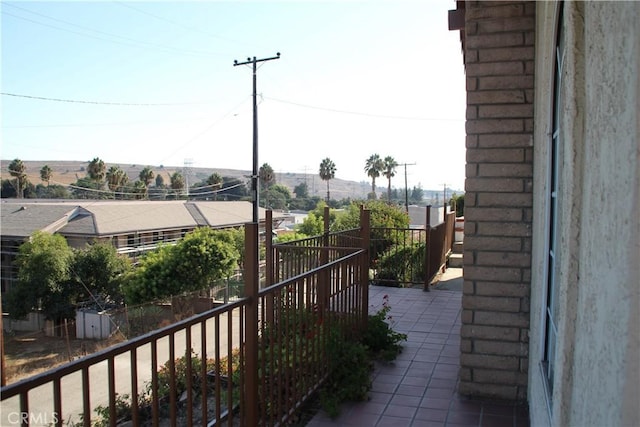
(77, 101)
(125, 193)
(128, 41)
(358, 113)
(199, 134)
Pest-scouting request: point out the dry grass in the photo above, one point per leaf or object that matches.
(68, 172)
(31, 354)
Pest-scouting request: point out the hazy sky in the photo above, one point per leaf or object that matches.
(153, 83)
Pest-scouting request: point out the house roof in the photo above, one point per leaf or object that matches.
(20, 218)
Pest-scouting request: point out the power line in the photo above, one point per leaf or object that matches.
(127, 40)
(358, 113)
(178, 24)
(78, 101)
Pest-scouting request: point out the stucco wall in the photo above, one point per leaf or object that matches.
(597, 379)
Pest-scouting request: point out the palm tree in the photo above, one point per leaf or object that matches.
(389, 171)
(45, 174)
(267, 176)
(146, 176)
(116, 178)
(327, 172)
(373, 168)
(177, 182)
(96, 170)
(139, 190)
(17, 169)
(215, 181)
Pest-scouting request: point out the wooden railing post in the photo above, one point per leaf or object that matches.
(268, 242)
(427, 250)
(365, 235)
(251, 281)
(269, 262)
(323, 283)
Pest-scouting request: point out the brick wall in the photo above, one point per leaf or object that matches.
(499, 61)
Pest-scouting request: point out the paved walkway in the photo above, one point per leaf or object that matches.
(419, 387)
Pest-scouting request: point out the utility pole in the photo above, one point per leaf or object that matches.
(406, 189)
(254, 174)
(186, 170)
(444, 201)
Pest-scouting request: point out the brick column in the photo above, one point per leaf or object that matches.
(499, 61)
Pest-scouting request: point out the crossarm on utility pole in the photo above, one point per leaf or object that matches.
(254, 175)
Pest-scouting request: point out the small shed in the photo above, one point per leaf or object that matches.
(92, 324)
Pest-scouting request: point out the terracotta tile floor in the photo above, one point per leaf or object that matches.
(419, 387)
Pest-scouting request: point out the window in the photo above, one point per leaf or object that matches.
(551, 309)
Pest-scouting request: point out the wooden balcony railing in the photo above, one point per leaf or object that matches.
(253, 361)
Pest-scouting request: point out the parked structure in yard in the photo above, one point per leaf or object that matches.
(133, 227)
(551, 283)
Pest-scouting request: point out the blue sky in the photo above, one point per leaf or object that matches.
(153, 83)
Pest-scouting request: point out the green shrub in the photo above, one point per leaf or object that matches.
(380, 339)
(401, 264)
(352, 361)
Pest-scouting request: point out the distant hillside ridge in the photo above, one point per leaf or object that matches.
(67, 172)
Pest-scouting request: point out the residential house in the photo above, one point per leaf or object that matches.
(552, 249)
(133, 227)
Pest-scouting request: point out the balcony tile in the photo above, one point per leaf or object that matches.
(419, 388)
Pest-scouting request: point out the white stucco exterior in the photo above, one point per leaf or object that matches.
(597, 375)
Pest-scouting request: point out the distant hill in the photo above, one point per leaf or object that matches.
(68, 172)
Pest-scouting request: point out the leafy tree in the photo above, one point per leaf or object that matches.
(177, 183)
(301, 190)
(98, 271)
(203, 256)
(277, 197)
(308, 203)
(86, 188)
(459, 204)
(43, 278)
(312, 225)
(46, 173)
(18, 171)
(146, 177)
(382, 216)
(54, 191)
(96, 171)
(373, 168)
(417, 194)
(289, 237)
(234, 189)
(159, 181)
(327, 173)
(389, 172)
(8, 189)
(303, 201)
(267, 176)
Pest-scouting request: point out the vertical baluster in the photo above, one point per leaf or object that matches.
(134, 387)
